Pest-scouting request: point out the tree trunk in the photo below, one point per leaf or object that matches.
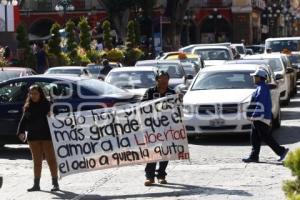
(176, 11)
(120, 21)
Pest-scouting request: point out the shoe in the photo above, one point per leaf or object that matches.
(149, 182)
(162, 181)
(249, 160)
(55, 185)
(282, 157)
(36, 186)
(34, 189)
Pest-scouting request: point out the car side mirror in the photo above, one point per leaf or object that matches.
(278, 77)
(289, 70)
(272, 86)
(294, 66)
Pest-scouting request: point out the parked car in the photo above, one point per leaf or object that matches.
(257, 49)
(295, 60)
(276, 62)
(184, 57)
(214, 55)
(240, 48)
(7, 73)
(66, 93)
(134, 79)
(293, 75)
(173, 67)
(189, 48)
(280, 44)
(218, 98)
(68, 71)
(266, 64)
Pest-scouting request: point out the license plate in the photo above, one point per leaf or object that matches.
(216, 122)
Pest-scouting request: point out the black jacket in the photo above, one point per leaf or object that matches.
(153, 93)
(34, 121)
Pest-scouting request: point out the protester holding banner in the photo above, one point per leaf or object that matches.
(160, 90)
(34, 129)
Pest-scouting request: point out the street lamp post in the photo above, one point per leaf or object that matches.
(273, 13)
(64, 6)
(215, 15)
(6, 3)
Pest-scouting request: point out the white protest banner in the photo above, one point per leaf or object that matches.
(104, 138)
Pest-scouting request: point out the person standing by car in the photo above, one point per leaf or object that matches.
(34, 122)
(41, 58)
(106, 68)
(260, 113)
(160, 90)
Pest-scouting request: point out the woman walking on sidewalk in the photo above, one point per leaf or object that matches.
(34, 122)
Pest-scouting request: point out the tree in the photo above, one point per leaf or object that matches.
(137, 32)
(85, 35)
(54, 42)
(175, 10)
(119, 12)
(71, 40)
(131, 40)
(25, 55)
(22, 37)
(106, 35)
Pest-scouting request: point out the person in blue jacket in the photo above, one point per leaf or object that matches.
(260, 113)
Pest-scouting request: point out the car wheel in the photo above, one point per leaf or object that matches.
(277, 121)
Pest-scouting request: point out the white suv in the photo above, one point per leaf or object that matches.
(218, 98)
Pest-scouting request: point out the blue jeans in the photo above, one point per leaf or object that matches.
(161, 172)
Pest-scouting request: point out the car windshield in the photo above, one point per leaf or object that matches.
(294, 58)
(275, 64)
(131, 79)
(98, 87)
(280, 45)
(9, 74)
(213, 54)
(189, 69)
(174, 71)
(224, 80)
(64, 71)
(240, 49)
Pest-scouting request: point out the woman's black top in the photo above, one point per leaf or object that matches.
(34, 121)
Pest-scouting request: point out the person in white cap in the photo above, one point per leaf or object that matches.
(260, 113)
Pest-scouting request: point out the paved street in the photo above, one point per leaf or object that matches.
(215, 172)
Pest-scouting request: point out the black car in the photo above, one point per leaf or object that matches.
(66, 93)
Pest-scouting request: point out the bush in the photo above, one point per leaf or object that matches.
(132, 55)
(292, 187)
(106, 35)
(85, 35)
(114, 55)
(54, 42)
(94, 56)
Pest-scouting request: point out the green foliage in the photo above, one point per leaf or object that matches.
(22, 37)
(94, 56)
(71, 41)
(137, 32)
(131, 39)
(113, 55)
(24, 53)
(132, 55)
(106, 35)
(85, 35)
(54, 42)
(292, 188)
